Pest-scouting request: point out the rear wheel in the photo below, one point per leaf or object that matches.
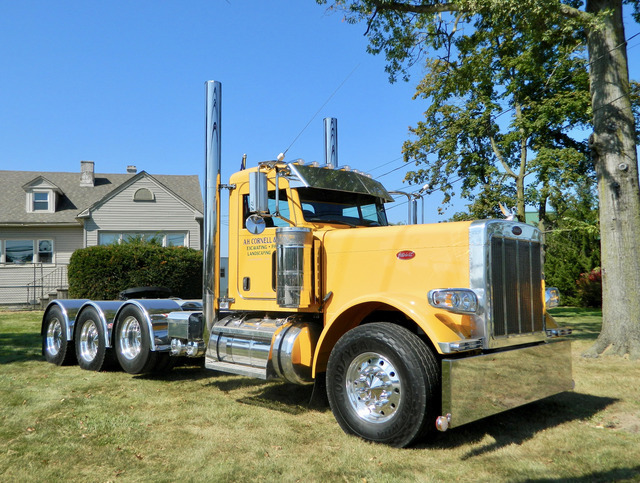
(383, 384)
(55, 346)
(91, 345)
(133, 342)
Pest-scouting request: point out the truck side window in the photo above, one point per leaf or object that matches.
(270, 221)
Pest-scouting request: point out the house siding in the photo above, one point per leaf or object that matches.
(165, 214)
(14, 278)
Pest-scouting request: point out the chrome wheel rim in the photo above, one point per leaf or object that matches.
(89, 341)
(54, 337)
(130, 338)
(373, 387)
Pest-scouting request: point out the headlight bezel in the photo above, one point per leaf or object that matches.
(457, 300)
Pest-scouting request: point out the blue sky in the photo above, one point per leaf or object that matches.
(122, 83)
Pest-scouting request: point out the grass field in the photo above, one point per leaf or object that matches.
(63, 423)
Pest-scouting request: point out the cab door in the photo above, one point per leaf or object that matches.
(256, 252)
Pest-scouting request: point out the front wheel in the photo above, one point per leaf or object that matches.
(383, 384)
(133, 342)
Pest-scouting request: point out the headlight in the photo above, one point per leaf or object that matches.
(458, 300)
(552, 297)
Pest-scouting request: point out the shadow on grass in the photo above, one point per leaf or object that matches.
(617, 474)
(585, 322)
(523, 423)
(285, 398)
(275, 395)
(185, 370)
(19, 347)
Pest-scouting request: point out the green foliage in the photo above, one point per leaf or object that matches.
(101, 272)
(635, 105)
(572, 245)
(505, 83)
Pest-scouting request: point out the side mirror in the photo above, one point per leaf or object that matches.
(258, 194)
(255, 224)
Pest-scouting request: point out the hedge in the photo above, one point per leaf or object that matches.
(101, 272)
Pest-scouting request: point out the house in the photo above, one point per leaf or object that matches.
(45, 217)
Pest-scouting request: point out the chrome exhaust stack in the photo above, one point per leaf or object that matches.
(331, 141)
(213, 164)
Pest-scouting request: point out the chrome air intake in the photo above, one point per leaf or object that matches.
(293, 252)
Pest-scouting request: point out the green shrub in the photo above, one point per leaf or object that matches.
(101, 272)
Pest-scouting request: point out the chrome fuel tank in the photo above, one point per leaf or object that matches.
(264, 348)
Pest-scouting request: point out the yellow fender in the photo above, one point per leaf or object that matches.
(438, 325)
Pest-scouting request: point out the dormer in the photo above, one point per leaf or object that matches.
(42, 195)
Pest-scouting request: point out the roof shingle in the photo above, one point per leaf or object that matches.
(75, 198)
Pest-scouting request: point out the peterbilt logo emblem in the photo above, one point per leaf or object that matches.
(405, 255)
(516, 230)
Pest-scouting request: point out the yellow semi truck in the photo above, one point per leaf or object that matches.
(409, 329)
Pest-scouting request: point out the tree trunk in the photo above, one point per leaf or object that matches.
(614, 156)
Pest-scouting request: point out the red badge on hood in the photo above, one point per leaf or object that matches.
(405, 255)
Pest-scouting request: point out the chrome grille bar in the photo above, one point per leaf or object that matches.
(515, 286)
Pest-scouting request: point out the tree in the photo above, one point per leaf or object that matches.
(405, 30)
(573, 245)
(499, 115)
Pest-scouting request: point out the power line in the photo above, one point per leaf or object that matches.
(321, 107)
(384, 164)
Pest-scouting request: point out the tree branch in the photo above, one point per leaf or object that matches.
(572, 12)
(496, 151)
(412, 8)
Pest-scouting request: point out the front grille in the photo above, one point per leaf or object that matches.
(516, 287)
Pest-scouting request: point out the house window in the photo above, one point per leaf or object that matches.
(163, 238)
(45, 251)
(109, 238)
(143, 194)
(19, 251)
(26, 251)
(175, 239)
(40, 201)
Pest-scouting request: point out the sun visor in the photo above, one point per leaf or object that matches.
(305, 176)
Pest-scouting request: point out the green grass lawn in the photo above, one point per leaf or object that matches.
(63, 423)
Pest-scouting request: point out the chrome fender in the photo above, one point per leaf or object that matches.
(69, 309)
(154, 313)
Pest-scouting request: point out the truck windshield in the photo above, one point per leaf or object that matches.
(342, 207)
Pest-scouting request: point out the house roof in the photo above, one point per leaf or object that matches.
(75, 199)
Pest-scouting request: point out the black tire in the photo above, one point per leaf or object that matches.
(55, 346)
(383, 384)
(133, 342)
(90, 341)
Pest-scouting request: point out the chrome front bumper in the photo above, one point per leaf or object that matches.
(480, 386)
